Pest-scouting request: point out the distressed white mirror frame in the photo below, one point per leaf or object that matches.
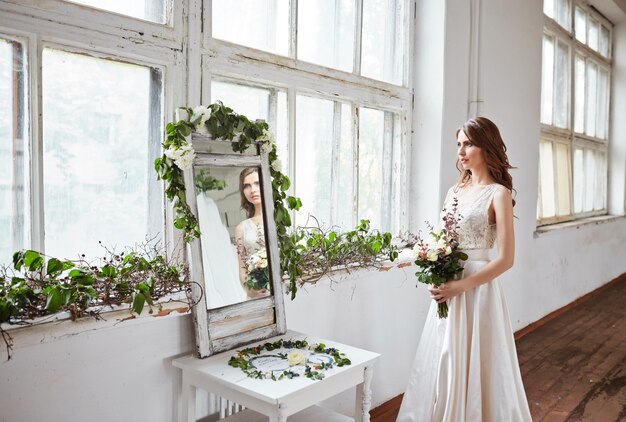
(228, 327)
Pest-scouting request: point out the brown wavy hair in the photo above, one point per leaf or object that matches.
(246, 205)
(484, 134)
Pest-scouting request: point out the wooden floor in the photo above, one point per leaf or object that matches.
(574, 366)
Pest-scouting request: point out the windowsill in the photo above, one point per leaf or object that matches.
(59, 326)
(577, 224)
(406, 258)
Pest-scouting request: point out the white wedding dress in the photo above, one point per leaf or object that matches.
(466, 366)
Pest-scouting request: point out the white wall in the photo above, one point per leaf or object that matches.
(124, 372)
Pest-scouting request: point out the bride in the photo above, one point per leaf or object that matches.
(250, 234)
(466, 366)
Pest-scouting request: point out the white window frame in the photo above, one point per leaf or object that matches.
(225, 60)
(100, 34)
(569, 136)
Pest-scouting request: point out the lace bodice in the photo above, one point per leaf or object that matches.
(252, 238)
(475, 231)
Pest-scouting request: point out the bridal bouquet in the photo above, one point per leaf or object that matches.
(258, 272)
(439, 258)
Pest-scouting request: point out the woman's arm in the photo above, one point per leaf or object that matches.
(505, 237)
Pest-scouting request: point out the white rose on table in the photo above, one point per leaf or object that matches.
(296, 358)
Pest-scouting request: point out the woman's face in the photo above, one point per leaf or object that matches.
(470, 156)
(251, 189)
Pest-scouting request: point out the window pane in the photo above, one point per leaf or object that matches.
(600, 193)
(547, 80)
(563, 15)
(14, 216)
(548, 8)
(603, 93)
(562, 174)
(344, 214)
(269, 104)
(98, 173)
(261, 24)
(252, 102)
(592, 37)
(581, 25)
(561, 112)
(579, 177)
(546, 179)
(579, 96)
(314, 135)
(282, 131)
(151, 10)
(604, 41)
(590, 106)
(590, 179)
(383, 40)
(372, 155)
(326, 33)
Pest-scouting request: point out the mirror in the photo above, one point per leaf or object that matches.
(230, 215)
(234, 265)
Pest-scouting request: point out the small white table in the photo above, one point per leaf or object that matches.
(278, 399)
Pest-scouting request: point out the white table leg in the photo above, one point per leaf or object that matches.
(364, 397)
(188, 401)
(278, 415)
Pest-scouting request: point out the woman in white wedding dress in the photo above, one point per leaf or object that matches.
(466, 366)
(250, 234)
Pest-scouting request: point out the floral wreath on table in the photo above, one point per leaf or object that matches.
(222, 123)
(302, 365)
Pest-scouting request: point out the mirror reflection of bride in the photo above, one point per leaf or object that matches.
(250, 237)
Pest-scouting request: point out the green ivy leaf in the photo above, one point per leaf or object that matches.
(139, 301)
(18, 260)
(55, 300)
(54, 266)
(33, 260)
(108, 271)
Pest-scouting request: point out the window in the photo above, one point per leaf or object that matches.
(14, 213)
(364, 37)
(150, 10)
(98, 148)
(340, 135)
(83, 172)
(575, 90)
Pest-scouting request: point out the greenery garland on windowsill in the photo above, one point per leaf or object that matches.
(306, 254)
(38, 286)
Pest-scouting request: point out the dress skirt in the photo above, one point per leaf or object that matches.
(466, 366)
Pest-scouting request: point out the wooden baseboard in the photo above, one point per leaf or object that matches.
(391, 405)
(531, 327)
